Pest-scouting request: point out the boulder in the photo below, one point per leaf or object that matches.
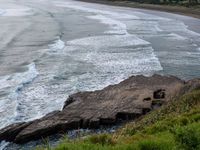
(127, 100)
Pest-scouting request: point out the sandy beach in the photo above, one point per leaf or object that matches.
(193, 11)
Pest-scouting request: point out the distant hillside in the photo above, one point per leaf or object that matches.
(174, 2)
(183, 7)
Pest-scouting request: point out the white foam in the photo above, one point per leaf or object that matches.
(113, 67)
(106, 17)
(3, 145)
(104, 51)
(178, 26)
(57, 45)
(108, 41)
(94, 10)
(110, 18)
(116, 26)
(16, 12)
(143, 19)
(39, 98)
(135, 61)
(149, 17)
(12, 85)
(19, 79)
(174, 36)
(116, 59)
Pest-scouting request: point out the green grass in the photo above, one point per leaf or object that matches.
(175, 126)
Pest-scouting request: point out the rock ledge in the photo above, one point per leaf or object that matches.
(127, 100)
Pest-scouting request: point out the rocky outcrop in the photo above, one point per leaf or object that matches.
(127, 100)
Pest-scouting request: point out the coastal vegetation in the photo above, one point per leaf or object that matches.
(171, 2)
(175, 126)
(183, 7)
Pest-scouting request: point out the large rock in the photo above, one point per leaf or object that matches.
(129, 99)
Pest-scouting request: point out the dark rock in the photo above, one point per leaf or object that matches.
(10, 132)
(127, 116)
(146, 110)
(159, 94)
(107, 121)
(124, 101)
(147, 99)
(190, 86)
(156, 103)
(68, 101)
(94, 124)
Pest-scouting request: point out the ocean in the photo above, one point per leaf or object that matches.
(51, 49)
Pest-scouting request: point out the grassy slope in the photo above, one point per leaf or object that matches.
(175, 126)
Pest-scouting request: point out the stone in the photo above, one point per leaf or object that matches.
(127, 100)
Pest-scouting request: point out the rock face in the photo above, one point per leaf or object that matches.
(129, 99)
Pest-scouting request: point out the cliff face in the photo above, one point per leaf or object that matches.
(127, 100)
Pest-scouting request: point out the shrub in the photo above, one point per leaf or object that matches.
(189, 136)
(157, 127)
(195, 117)
(103, 139)
(183, 121)
(154, 145)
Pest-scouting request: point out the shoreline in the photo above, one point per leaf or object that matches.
(128, 100)
(180, 10)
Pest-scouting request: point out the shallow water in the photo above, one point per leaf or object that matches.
(49, 50)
